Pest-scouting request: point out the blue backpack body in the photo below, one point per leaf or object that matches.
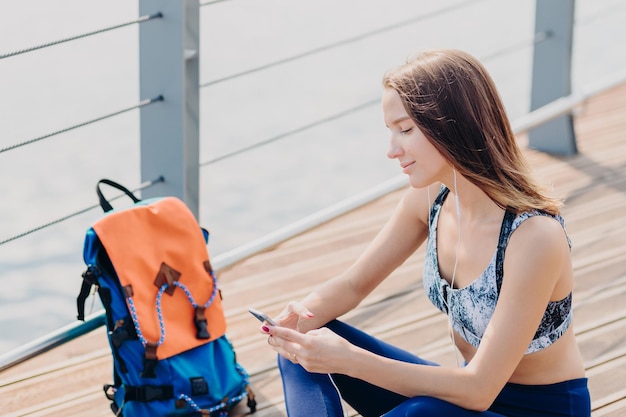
(166, 327)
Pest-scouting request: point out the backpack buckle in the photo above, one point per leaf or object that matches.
(150, 361)
(202, 332)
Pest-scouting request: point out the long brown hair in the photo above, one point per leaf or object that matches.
(454, 101)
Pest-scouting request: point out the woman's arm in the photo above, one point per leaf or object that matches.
(535, 258)
(402, 234)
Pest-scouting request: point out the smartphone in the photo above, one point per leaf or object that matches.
(262, 317)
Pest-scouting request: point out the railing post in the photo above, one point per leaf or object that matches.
(169, 66)
(551, 78)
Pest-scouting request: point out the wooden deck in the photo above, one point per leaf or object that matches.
(67, 381)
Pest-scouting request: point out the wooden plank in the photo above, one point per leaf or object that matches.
(615, 407)
(68, 380)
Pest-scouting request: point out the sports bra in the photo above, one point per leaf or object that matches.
(471, 307)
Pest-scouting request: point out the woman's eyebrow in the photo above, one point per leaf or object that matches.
(398, 120)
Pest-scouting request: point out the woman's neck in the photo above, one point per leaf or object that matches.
(473, 202)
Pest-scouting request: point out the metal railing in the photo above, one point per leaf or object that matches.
(169, 49)
(524, 124)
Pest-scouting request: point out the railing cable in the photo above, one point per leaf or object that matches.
(539, 37)
(84, 35)
(208, 3)
(611, 10)
(292, 132)
(143, 186)
(343, 42)
(142, 103)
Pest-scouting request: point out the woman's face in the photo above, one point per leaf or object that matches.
(418, 158)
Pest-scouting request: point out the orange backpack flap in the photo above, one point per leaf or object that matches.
(159, 242)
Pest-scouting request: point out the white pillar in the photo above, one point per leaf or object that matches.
(551, 78)
(169, 66)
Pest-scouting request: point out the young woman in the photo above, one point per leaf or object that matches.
(497, 263)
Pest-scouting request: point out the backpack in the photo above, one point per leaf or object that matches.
(164, 316)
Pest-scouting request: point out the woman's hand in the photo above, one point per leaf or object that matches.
(296, 316)
(319, 350)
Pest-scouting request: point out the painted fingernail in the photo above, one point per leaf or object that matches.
(265, 329)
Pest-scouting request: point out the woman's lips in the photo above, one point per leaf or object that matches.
(406, 165)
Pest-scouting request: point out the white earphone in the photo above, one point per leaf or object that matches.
(456, 259)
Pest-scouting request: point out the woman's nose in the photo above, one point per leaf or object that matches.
(394, 151)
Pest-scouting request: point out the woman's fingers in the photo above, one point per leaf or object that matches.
(319, 350)
(286, 334)
(284, 348)
(297, 309)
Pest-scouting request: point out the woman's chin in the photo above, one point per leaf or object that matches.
(418, 182)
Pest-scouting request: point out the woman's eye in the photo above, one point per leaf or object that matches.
(404, 132)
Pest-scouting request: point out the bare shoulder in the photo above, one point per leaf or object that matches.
(540, 231)
(540, 247)
(417, 202)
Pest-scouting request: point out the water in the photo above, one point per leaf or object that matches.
(246, 197)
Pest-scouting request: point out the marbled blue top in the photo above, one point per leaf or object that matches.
(471, 307)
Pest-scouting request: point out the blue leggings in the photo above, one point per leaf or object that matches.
(317, 395)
